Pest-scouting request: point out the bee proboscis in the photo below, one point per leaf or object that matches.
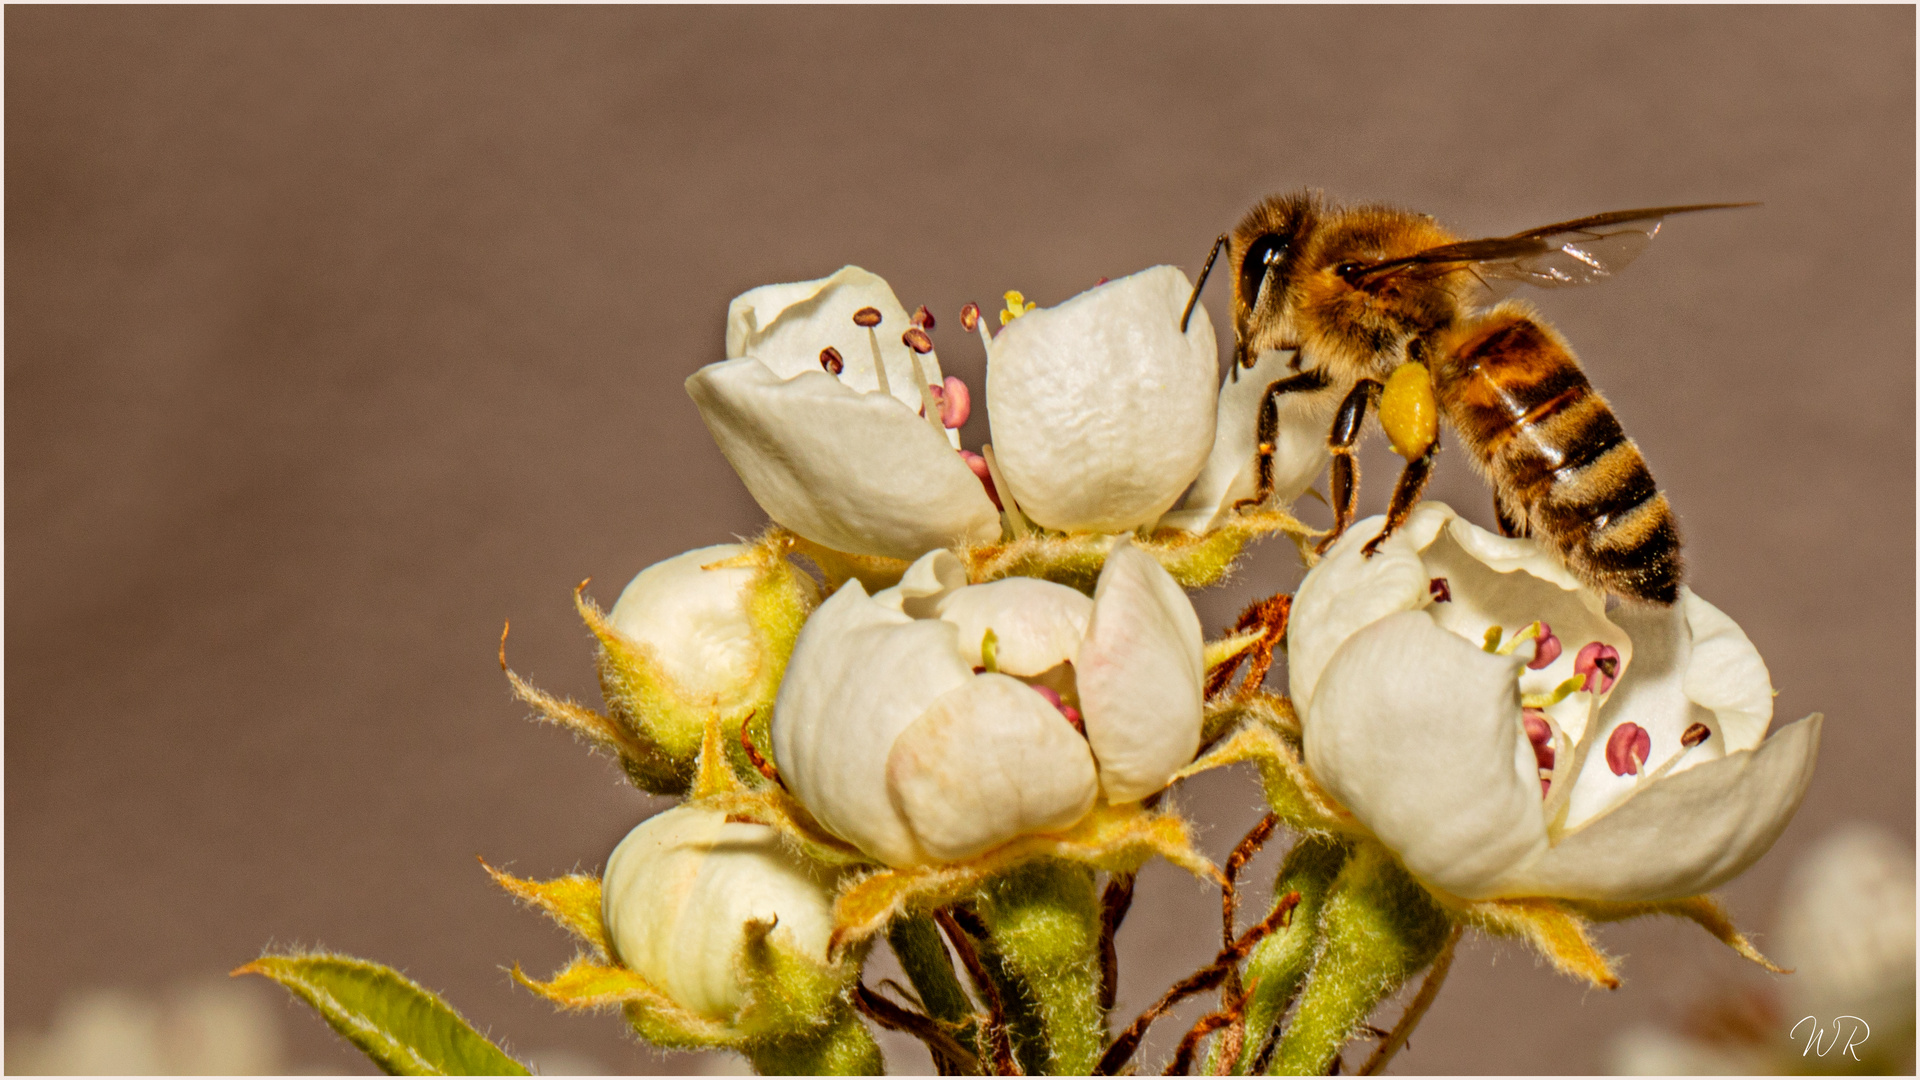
(1377, 305)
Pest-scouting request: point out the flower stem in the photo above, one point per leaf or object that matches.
(1275, 969)
(1416, 1009)
(923, 956)
(1379, 928)
(1044, 920)
(841, 1047)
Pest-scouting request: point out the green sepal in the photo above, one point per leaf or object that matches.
(404, 1028)
(1378, 928)
(1195, 560)
(1277, 966)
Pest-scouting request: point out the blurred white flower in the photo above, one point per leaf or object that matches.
(208, 1029)
(1433, 682)
(935, 720)
(1846, 927)
(680, 892)
(1102, 409)
(831, 443)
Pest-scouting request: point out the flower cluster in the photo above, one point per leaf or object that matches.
(945, 693)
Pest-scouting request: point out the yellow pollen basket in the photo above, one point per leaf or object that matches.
(1408, 412)
(1017, 305)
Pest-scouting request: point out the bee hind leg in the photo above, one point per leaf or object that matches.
(1268, 429)
(1343, 479)
(1508, 526)
(1406, 495)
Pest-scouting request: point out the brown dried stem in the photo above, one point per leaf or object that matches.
(998, 1037)
(953, 1058)
(1122, 1048)
(1114, 903)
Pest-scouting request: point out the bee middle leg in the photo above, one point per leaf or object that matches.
(1406, 495)
(1343, 479)
(1268, 429)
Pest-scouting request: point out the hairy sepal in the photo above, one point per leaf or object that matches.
(1195, 560)
(1117, 839)
(1290, 790)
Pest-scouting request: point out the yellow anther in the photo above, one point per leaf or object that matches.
(1491, 641)
(990, 650)
(1408, 412)
(1017, 305)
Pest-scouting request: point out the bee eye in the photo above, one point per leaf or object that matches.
(1348, 271)
(1262, 255)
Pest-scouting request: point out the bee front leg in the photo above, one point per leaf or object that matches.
(1406, 495)
(1343, 479)
(1268, 429)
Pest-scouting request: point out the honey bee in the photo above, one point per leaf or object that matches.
(1372, 304)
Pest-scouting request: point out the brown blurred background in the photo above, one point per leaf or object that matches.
(336, 337)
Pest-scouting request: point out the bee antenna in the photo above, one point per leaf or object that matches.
(1202, 283)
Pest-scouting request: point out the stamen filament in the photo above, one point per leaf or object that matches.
(1559, 694)
(1016, 520)
(1527, 633)
(929, 405)
(879, 364)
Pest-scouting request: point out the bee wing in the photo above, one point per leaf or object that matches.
(1578, 252)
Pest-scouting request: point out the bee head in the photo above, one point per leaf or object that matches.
(1266, 252)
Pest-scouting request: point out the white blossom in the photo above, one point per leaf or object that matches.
(1102, 409)
(1424, 714)
(935, 720)
(828, 454)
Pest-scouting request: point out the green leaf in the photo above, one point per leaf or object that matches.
(406, 1029)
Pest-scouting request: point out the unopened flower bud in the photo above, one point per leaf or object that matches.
(685, 890)
(703, 631)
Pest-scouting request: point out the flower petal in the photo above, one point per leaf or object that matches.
(1346, 591)
(1299, 444)
(1685, 833)
(1690, 665)
(991, 759)
(786, 326)
(1140, 676)
(1037, 624)
(1102, 410)
(861, 673)
(1418, 733)
(856, 472)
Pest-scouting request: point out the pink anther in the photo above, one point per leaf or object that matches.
(1600, 663)
(1628, 748)
(956, 402)
(1546, 648)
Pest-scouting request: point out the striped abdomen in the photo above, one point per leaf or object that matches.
(1560, 465)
